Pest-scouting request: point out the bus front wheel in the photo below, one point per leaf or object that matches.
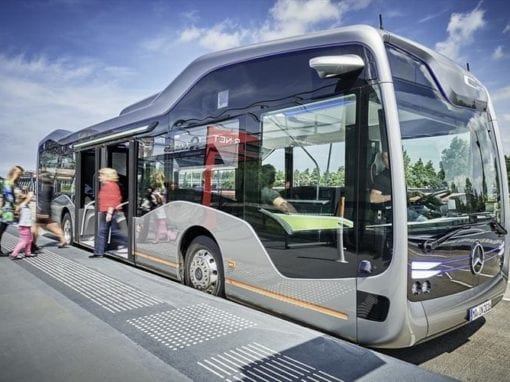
(204, 267)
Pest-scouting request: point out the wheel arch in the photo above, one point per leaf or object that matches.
(65, 211)
(190, 234)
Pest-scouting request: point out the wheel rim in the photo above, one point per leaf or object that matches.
(67, 231)
(203, 271)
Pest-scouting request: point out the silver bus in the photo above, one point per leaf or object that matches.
(352, 180)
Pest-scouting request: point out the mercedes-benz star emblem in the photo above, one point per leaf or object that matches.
(477, 258)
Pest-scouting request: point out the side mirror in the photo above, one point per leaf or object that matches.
(331, 66)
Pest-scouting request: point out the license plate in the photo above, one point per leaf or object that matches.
(479, 310)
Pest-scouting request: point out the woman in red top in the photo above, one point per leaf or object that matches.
(109, 200)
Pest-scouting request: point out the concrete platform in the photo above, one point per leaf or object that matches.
(65, 317)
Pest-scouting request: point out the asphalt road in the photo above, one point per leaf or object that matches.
(476, 352)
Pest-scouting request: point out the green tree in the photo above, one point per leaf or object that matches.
(279, 179)
(407, 169)
(454, 159)
(418, 174)
(432, 179)
(470, 196)
(337, 178)
(305, 178)
(315, 177)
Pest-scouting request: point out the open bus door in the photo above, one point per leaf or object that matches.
(86, 186)
(117, 156)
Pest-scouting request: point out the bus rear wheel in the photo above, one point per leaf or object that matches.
(204, 267)
(67, 228)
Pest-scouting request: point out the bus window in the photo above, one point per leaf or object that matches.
(305, 147)
(153, 180)
(376, 212)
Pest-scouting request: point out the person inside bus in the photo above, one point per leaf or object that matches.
(380, 190)
(7, 211)
(270, 196)
(43, 213)
(109, 208)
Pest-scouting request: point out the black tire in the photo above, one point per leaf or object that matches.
(67, 228)
(204, 267)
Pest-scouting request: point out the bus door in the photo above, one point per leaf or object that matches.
(116, 156)
(85, 218)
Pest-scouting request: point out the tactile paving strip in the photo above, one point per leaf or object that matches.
(110, 294)
(255, 362)
(189, 326)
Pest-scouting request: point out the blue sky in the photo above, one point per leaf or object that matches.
(72, 63)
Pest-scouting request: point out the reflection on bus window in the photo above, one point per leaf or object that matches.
(449, 158)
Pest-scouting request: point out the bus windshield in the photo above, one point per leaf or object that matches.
(450, 157)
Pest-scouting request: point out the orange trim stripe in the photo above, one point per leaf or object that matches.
(157, 259)
(288, 299)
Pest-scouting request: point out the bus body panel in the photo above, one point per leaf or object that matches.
(62, 204)
(250, 275)
(372, 302)
(445, 313)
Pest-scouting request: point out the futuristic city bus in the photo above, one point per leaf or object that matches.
(385, 154)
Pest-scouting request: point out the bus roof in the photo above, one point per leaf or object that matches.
(450, 75)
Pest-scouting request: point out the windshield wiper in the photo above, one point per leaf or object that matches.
(498, 227)
(491, 220)
(430, 244)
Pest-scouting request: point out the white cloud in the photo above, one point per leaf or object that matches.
(293, 17)
(502, 94)
(498, 53)
(303, 11)
(189, 34)
(431, 16)
(461, 29)
(221, 36)
(58, 69)
(192, 16)
(157, 44)
(40, 95)
(286, 18)
(507, 28)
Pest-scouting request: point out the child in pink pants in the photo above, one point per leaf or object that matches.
(24, 229)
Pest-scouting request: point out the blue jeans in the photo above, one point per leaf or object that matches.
(116, 238)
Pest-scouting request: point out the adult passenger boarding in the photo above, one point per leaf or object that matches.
(43, 213)
(110, 200)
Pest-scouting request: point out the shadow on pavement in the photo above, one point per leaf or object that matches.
(446, 343)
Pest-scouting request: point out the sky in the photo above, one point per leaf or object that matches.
(69, 64)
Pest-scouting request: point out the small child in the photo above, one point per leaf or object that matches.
(24, 228)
